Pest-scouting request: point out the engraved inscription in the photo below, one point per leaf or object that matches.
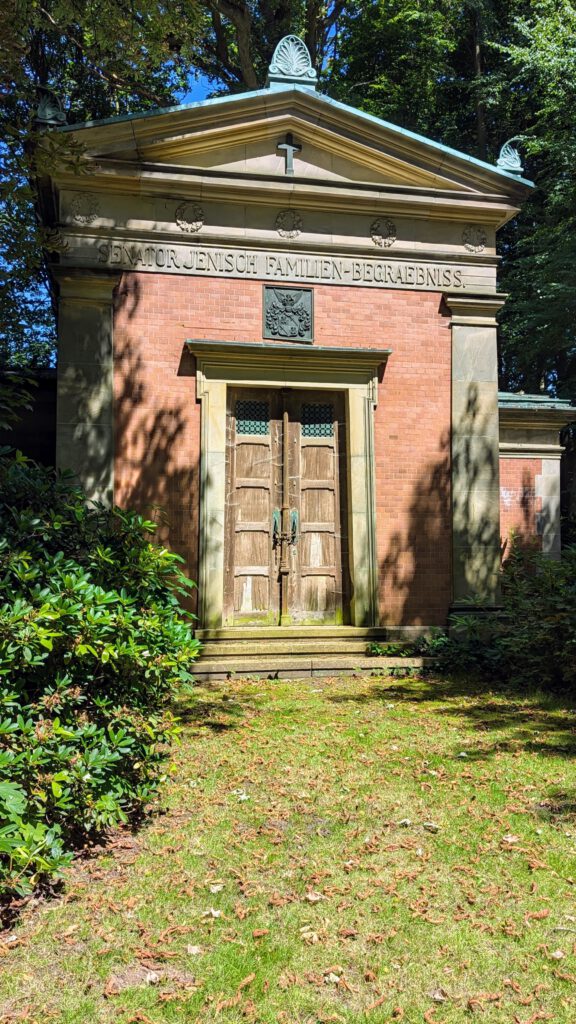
(269, 266)
(288, 313)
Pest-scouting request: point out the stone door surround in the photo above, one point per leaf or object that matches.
(355, 372)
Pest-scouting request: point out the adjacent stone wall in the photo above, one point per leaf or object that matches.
(157, 420)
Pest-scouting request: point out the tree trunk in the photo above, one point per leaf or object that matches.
(481, 143)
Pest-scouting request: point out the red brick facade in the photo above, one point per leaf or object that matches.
(157, 417)
(519, 505)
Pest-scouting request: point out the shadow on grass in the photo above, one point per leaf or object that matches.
(503, 717)
(560, 805)
(219, 713)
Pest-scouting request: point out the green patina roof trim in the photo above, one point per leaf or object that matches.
(158, 111)
(370, 118)
(544, 402)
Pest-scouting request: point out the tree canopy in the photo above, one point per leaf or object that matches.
(470, 73)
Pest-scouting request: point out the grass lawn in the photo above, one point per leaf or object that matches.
(328, 850)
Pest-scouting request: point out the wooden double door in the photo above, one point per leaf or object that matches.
(285, 533)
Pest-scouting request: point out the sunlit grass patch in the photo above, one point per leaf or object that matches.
(328, 850)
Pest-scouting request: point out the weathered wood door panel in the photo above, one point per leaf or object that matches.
(286, 545)
(252, 492)
(317, 471)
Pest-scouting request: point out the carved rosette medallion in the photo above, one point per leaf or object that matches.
(85, 208)
(383, 232)
(189, 216)
(288, 313)
(288, 223)
(474, 238)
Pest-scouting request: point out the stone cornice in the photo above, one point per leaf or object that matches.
(87, 285)
(537, 419)
(363, 197)
(474, 310)
(520, 450)
(285, 362)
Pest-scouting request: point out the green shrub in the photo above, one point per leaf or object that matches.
(532, 638)
(93, 643)
(388, 650)
(429, 645)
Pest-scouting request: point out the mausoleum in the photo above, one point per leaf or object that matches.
(277, 333)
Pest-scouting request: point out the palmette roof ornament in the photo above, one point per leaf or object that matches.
(509, 159)
(50, 112)
(291, 64)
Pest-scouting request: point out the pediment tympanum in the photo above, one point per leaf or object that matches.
(241, 135)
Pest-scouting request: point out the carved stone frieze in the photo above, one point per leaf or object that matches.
(383, 232)
(288, 313)
(474, 238)
(288, 223)
(189, 216)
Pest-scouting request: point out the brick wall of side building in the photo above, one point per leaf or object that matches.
(157, 418)
(519, 505)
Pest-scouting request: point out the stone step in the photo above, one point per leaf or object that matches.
(302, 666)
(249, 633)
(298, 645)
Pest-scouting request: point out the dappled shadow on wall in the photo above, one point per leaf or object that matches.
(156, 466)
(414, 552)
(416, 568)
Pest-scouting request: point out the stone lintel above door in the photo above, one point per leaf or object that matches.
(355, 372)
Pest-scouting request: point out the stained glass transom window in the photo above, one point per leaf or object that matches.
(252, 417)
(317, 420)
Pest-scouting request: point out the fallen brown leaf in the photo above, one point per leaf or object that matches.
(378, 1002)
(536, 915)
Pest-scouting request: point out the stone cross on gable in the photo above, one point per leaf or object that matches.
(289, 147)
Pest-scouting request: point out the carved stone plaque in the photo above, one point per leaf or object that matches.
(288, 313)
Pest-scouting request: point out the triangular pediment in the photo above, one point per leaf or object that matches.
(323, 155)
(239, 135)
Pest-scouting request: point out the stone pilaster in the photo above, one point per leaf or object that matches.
(475, 455)
(85, 417)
